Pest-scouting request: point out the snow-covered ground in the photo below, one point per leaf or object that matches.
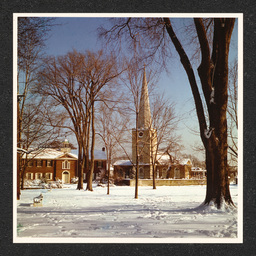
(167, 214)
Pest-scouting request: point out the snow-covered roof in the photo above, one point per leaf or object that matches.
(50, 153)
(185, 161)
(99, 155)
(163, 158)
(47, 153)
(197, 169)
(123, 162)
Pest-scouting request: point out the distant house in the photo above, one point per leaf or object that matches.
(100, 163)
(123, 169)
(180, 170)
(54, 164)
(162, 164)
(198, 173)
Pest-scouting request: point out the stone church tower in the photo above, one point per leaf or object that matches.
(146, 135)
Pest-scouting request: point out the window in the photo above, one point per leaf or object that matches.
(99, 164)
(49, 163)
(164, 173)
(48, 176)
(176, 173)
(141, 173)
(38, 176)
(30, 163)
(39, 163)
(66, 165)
(29, 176)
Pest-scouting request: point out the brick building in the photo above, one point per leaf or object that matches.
(54, 164)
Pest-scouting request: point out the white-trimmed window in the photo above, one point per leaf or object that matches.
(49, 163)
(29, 176)
(66, 164)
(38, 176)
(48, 176)
(39, 163)
(30, 163)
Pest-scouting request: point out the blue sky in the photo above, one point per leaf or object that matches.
(81, 34)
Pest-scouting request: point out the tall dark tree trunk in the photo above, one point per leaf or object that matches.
(90, 176)
(217, 145)
(154, 176)
(213, 73)
(79, 167)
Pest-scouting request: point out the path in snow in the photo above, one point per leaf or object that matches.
(161, 213)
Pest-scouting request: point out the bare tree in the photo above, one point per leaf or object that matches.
(110, 125)
(213, 74)
(74, 81)
(99, 71)
(32, 33)
(164, 121)
(232, 112)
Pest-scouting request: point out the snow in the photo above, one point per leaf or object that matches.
(185, 161)
(167, 214)
(99, 155)
(123, 162)
(208, 133)
(48, 153)
(163, 158)
(212, 100)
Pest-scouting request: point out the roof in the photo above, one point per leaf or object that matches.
(48, 153)
(99, 155)
(197, 169)
(123, 162)
(185, 161)
(163, 158)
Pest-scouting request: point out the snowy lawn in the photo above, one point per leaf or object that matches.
(167, 212)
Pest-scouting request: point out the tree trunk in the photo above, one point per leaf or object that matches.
(79, 167)
(154, 176)
(217, 146)
(90, 176)
(18, 145)
(213, 74)
(137, 159)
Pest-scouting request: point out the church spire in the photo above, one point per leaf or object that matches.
(144, 118)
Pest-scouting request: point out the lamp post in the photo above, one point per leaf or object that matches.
(19, 96)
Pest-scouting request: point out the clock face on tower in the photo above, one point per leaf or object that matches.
(140, 134)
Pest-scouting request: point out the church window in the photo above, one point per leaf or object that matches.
(141, 173)
(176, 173)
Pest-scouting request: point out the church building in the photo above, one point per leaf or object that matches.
(144, 139)
(144, 150)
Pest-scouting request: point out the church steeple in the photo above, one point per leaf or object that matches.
(144, 117)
